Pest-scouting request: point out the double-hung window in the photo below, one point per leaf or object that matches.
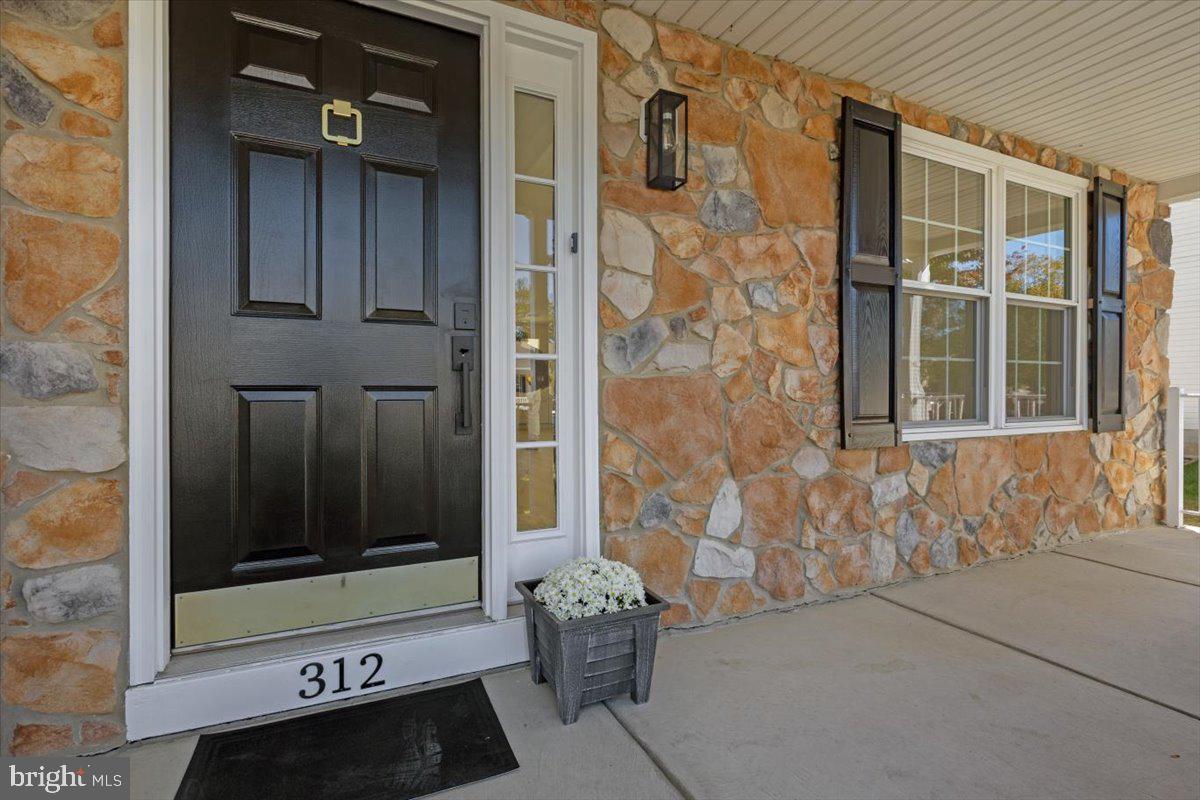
(992, 318)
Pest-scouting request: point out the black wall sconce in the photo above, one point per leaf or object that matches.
(666, 121)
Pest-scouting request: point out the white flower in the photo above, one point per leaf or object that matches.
(585, 587)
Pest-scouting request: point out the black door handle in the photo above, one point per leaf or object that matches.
(462, 361)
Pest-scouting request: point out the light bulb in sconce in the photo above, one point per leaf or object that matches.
(668, 133)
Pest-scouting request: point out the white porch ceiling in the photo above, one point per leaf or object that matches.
(1112, 81)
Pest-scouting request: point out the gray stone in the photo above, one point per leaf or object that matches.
(1102, 446)
(810, 462)
(720, 163)
(730, 211)
(25, 99)
(75, 594)
(716, 560)
(687, 356)
(907, 535)
(883, 557)
(619, 105)
(656, 509)
(960, 131)
(1142, 418)
(1151, 437)
(42, 370)
(646, 78)
(918, 477)
(889, 489)
(778, 111)
(726, 513)
(1102, 489)
(644, 339)
(615, 353)
(60, 13)
(933, 454)
(943, 553)
(78, 438)
(1133, 390)
(1162, 332)
(678, 327)
(1161, 241)
(1010, 486)
(762, 295)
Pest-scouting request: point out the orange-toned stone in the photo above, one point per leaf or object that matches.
(677, 614)
(729, 304)
(613, 60)
(991, 536)
(1021, 519)
(859, 91)
(692, 521)
(968, 551)
(1114, 514)
(1140, 201)
(712, 121)
(919, 561)
(817, 90)
(1120, 477)
(638, 198)
(109, 30)
(1158, 288)
(26, 486)
(780, 571)
(609, 316)
(109, 306)
(739, 599)
(765, 255)
(838, 505)
(704, 594)
(61, 176)
(740, 93)
(68, 672)
(824, 341)
(771, 510)
(1029, 451)
(942, 495)
(113, 387)
(700, 485)
(114, 357)
(893, 459)
(1122, 449)
(1059, 515)
(684, 237)
(1087, 520)
(711, 268)
(679, 44)
(912, 113)
(787, 337)
(78, 329)
(661, 558)
(730, 351)
(677, 418)
(859, 464)
(80, 125)
(792, 176)
(796, 289)
(583, 12)
(1048, 158)
(79, 523)
(92, 80)
(822, 126)
(983, 466)
(1037, 485)
(817, 571)
(1072, 471)
(93, 732)
(686, 76)
(651, 476)
(851, 567)
(36, 739)
(762, 366)
(746, 65)
(618, 454)
(739, 387)
(675, 288)
(620, 501)
(761, 432)
(929, 524)
(819, 248)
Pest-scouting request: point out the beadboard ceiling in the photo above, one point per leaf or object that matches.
(1112, 81)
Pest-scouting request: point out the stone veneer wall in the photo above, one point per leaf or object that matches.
(722, 479)
(62, 360)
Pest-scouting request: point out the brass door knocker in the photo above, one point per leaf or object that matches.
(341, 108)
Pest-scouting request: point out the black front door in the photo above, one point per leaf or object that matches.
(324, 296)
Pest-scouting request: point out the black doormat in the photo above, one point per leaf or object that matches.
(404, 747)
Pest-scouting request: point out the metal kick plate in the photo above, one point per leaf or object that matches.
(235, 612)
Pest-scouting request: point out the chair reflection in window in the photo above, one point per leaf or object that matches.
(937, 407)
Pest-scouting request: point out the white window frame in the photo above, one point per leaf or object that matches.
(998, 169)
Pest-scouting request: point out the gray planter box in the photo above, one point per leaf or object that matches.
(591, 659)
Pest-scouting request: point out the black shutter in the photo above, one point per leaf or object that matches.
(871, 283)
(1107, 350)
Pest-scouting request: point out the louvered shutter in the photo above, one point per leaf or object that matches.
(1106, 354)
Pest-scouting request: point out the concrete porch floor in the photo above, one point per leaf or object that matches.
(1074, 673)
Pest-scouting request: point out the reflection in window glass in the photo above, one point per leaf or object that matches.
(537, 489)
(535, 311)
(533, 224)
(535, 400)
(1038, 381)
(940, 358)
(943, 208)
(534, 140)
(1037, 242)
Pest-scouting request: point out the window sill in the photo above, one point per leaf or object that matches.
(936, 434)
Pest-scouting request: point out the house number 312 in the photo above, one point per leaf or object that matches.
(314, 674)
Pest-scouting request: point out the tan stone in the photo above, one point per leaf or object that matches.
(36, 739)
(821, 126)
(795, 289)
(761, 432)
(1029, 451)
(740, 93)
(679, 44)
(787, 79)
(729, 352)
(780, 571)
(1120, 477)
(636, 197)
(620, 501)
(712, 121)
(675, 288)
(1024, 149)
(820, 249)
(838, 506)
(792, 176)
(93, 732)
(677, 418)
(618, 454)
(1021, 520)
(771, 510)
(1140, 201)
(893, 459)
(851, 566)
(1122, 450)
(684, 237)
(26, 486)
(919, 561)
(991, 535)
(677, 614)
(711, 268)
(703, 592)
(729, 304)
(661, 558)
(70, 672)
(824, 341)
(929, 524)
(651, 476)
(79, 523)
(937, 123)
(746, 65)
(818, 91)
(739, 387)
(109, 30)
(983, 467)
(766, 255)
(1059, 515)
(686, 76)
(49, 264)
(1037, 485)
(853, 89)
(1087, 520)
(910, 113)
(1114, 514)
(817, 571)
(787, 337)
(1158, 288)
(109, 306)
(61, 176)
(942, 496)
(84, 77)
(80, 125)
(613, 61)
(78, 329)
(739, 599)
(858, 464)
(1072, 471)
(762, 366)
(700, 485)
(803, 385)
(692, 521)
(968, 551)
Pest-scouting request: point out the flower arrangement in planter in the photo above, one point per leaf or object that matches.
(592, 629)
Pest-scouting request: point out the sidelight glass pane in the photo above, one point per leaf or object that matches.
(534, 140)
(535, 311)
(537, 488)
(1038, 371)
(940, 359)
(533, 224)
(536, 393)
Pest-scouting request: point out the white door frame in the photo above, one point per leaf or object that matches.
(156, 705)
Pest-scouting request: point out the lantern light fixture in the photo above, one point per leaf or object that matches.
(665, 121)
